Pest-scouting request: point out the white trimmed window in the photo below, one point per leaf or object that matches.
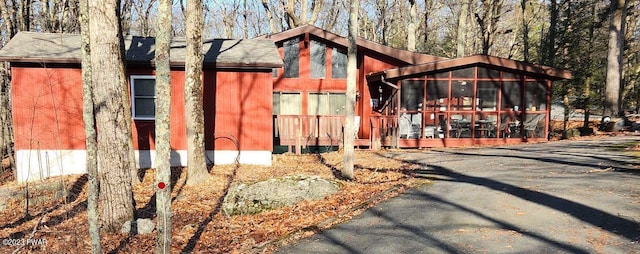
(143, 97)
(287, 103)
(327, 104)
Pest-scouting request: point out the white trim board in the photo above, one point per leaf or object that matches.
(33, 165)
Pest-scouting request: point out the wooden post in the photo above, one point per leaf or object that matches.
(298, 130)
(375, 129)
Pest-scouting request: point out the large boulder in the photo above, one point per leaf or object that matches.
(275, 193)
(138, 227)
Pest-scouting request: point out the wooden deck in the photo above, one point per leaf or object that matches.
(385, 132)
(299, 132)
(304, 131)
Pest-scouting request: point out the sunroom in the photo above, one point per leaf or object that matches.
(476, 100)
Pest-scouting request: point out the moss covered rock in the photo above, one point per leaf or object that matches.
(275, 193)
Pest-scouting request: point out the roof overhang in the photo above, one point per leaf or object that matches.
(406, 56)
(392, 75)
(52, 48)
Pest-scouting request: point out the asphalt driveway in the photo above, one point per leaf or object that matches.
(556, 197)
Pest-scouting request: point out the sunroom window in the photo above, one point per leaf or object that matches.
(287, 103)
(318, 59)
(291, 58)
(327, 104)
(339, 63)
(411, 94)
(143, 105)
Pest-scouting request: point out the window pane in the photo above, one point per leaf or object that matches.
(411, 94)
(314, 106)
(534, 125)
(318, 59)
(437, 93)
(291, 58)
(441, 75)
(276, 103)
(327, 104)
(145, 107)
(511, 96)
(339, 63)
(274, 72)
(487, 95)
(536, 96)
(461, 94)
(488, 73)
(509, 75)
(144, 87)
(290, 104)
(463, 73)
(337, 103)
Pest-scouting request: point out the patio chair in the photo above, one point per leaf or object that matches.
(458, 126)
(531, 124)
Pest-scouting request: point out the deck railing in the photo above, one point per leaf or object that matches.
(315, 130)
(385, 129)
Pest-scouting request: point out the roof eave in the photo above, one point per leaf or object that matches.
(176, 64)
(406, 56)
(422, 69)
(40, 60)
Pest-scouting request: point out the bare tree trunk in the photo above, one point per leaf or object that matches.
(614, 58)
(245, 22)
(197, 166)
(548, 49)
(292, 19)
(126, 16)
(352, 60)
(163, 133)
(272, 22)
(411, 27)
(6, 134)
(304, 12)
(113, 115)
(6, 18)
(488, 22)
(461, 38)
(295, 20)
(90, 132)
(525, 30)
(4, 98)
(316, 5)
(332, 19)
(6, 143)
(23, 15)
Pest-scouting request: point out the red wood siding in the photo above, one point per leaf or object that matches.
(144, 130)
(368, 62)
(47, 108)
(243, 109)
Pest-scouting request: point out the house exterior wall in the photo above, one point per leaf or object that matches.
(49, 130)
(475, 105)
(368, 62)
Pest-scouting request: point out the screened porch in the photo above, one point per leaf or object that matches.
(476, 104)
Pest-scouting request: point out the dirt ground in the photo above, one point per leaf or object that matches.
(199, 226)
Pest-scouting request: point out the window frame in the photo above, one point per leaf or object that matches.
(288, 56)
(330, 106)
(280, 93)
(335, 64)
(321, 66)
(132, 79)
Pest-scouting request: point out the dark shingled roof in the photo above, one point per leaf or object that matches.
(30, 47)
(406, 56)
(479, 60)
